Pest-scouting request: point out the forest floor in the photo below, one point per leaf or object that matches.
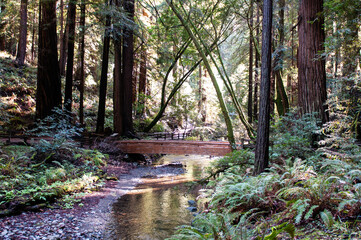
(84, 221)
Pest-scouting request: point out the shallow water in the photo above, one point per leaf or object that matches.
(156, 207)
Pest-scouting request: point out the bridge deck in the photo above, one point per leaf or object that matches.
(175, 147)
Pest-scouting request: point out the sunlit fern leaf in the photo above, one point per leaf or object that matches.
(327, 218)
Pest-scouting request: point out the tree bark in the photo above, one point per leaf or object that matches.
(127, 71)
(142, 82)
(68, 99)
(104, 75)
(262, 142)
(21, 53)
(2, 27)
(250, 67)
(312, 94)
(257, 60)
(48, 94)
(82, 54)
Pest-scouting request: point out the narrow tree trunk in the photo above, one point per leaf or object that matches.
(257, 60)
(104, 76)
(2, 27)
(82, 53)
(48, 93)
(282, 99)
(250, 67)
(68, 99)
(63, 49)
(142, 82)
(212, 76)
(262, 142)
(312, 94)
(62, 33)
(21, 53)
(33, 37)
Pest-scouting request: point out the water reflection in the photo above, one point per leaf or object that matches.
(155, 208)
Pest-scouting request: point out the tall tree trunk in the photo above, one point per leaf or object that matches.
(118, 97)
(2, 27)
(282, 99)
(82, 53)
(262, 142)
(257, 60)
(68, 99)
(48, 93)
(62, 32)
(63, 49)
(250, 67)
(312, 94)
(127, 71)
(142, 82)
(33, 36)
(104, 75)
(21, 53)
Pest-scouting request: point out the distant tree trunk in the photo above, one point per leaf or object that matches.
(202, 97)
(48, 93)
(21, 53)
(2, 27)
(262, 142)
(127, 71)
(282, 99)
(312, 94)
(68, 99)
(33, 37)
(63, 49)
(142, 82)
(82, 53)
(104, 76)
(250, 67)
(61, 35)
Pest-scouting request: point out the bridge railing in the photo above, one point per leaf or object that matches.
(182, 135)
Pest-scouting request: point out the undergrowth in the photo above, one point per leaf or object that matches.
(311, 191)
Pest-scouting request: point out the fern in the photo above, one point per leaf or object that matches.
(327, 218)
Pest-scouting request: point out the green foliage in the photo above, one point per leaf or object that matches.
(283, 227)
(293, 136)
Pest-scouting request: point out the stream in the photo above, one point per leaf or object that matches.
(162, 202)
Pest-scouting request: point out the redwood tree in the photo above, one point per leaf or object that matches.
(311, 66)
(262, 142)
(70, 62)
(20, 56)
(48, 94)
(104, 75)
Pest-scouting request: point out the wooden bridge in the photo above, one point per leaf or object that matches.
(213, 148)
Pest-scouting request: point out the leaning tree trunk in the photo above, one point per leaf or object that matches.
(48, 93)
(20, 56)
(68, 99)
(312, 94)
(262, 142)
(104, 76)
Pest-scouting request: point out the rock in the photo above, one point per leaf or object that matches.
(192, 209)
(192, 203)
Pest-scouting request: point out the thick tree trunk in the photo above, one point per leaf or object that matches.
(104, 76)
(82, 53)
(68, 99)
(312, 94)
(21, 53)
(250, 67)
(118, 100)
(48, 94)
(127, 71)
(262, 142)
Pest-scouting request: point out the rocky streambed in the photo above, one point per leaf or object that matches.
(98, 215)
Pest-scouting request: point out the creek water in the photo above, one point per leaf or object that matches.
(159, 204)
